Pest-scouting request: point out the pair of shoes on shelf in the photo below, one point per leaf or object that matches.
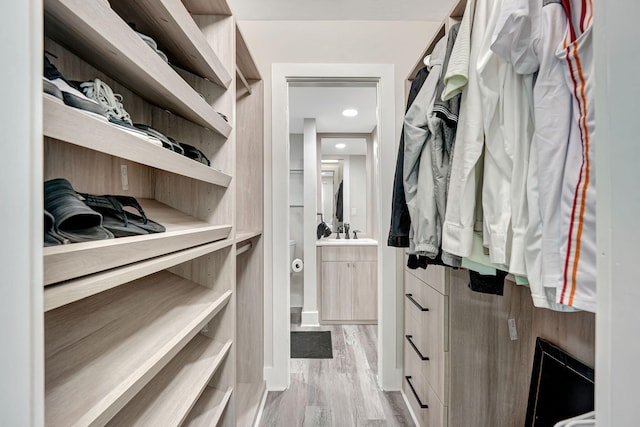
(150, 42)
(68, 92)
(67, 219)
(167, 142)
(118, 221)
(194, 154)
(178, 147)
(72, 217)
(102, 93)
(94, 97)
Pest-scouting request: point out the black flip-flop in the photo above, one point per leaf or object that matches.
(51, 238)
(139, 220)
(73, 220)
(115, 219)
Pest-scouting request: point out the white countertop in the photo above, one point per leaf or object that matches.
(346, 242)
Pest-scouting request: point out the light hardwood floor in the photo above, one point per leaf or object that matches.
(340, 392)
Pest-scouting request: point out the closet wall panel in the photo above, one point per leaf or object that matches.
(184, 280)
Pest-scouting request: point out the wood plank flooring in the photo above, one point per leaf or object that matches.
(340, 392)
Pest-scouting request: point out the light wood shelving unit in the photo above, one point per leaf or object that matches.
(177, 35)
(168, 398)
(104, 40)
(209, 408)
(70, 261)
(114, 141)
(100, 352)
(250, 385)
(160, 329)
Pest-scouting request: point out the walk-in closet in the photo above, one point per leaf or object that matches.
(192, 237)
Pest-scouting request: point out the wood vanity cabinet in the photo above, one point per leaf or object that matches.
(348, 284)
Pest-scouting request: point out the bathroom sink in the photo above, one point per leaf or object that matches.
(346, 242)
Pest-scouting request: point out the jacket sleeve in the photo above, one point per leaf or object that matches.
(418, 185)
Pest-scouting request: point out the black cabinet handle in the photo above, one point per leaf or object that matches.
(415, 394)
(409, 338)
(410, 298)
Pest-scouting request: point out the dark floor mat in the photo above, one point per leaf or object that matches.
(311, 345)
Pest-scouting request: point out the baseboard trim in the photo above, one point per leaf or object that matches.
(310, 318)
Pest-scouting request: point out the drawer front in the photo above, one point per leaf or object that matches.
(434, 275)
(420, 394)
(426, 332)
(349, 253)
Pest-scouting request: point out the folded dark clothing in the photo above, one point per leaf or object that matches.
(487, 284)
(412, 262)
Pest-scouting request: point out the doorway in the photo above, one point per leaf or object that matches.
(278, 321)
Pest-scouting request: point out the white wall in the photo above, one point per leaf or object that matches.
(310, 299)
(296, 220)
(382, 42)
(358, 192)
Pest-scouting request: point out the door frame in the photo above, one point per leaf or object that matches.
(277, 314)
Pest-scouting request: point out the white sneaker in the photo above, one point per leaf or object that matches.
(54, 84)
(100, 92)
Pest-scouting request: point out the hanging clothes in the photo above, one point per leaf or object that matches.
(339, 209)
(578, 203)
(446, 122)
(400, 219)
(420, 151)
(529, 38)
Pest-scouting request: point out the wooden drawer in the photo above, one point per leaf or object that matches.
(419, 393)
(349, 253)
(428, 331)
(434, 275)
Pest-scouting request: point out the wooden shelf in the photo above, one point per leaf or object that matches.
(209, 408)
(456, 12)
(242, 236)
(97, 34)
(207, 7)
(169, 397)
(74, 290)
(71, 261)
(244, 61)
(430, 45)
(458, 9)
(75, 127)
(103, 350)
(168, 22)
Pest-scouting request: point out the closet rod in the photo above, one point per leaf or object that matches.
(244, 248)
(243, 80)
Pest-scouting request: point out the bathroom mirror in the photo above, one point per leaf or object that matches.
(345, 181)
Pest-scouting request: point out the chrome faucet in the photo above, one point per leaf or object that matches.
(346, 230)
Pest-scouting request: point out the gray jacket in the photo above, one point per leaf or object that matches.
(425, 168)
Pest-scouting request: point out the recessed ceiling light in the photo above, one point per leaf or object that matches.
(350, 112)
(329, 161)
(341, 146)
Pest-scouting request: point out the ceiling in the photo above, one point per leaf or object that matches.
(341, 10)
(326, 104)
(353, 147)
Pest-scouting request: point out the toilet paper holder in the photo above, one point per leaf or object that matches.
(297, 265)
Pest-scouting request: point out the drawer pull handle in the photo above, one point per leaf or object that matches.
(409, 338)
(415, 394)
(410, 298)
